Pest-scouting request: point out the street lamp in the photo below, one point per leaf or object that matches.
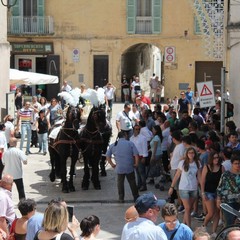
(8, 3)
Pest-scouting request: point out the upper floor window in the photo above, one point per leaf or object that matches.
(144, 16)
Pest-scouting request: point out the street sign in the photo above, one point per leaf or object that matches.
(206, 94)
(169, 54)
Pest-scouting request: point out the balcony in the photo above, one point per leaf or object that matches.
(143, 25)
(36, 25)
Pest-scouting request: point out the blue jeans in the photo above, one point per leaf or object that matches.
(42, 140)
(26, 128)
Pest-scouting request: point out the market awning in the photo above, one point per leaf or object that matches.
(31, 78)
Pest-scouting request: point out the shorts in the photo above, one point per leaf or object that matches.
(126, 91)
(186, 194)
(211, 196)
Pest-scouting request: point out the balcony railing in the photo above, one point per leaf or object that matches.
(143, 25)
(30, 25)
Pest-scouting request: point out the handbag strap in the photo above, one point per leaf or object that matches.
(174, 233)
(128, 118)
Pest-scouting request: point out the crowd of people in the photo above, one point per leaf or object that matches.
(177, 144)
(184, 141)
(53, 224)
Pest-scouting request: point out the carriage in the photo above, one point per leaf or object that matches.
(71, 136)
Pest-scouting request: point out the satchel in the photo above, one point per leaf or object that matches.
(154, 169)
(17, 134)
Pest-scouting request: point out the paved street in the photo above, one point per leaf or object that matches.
(102, 203)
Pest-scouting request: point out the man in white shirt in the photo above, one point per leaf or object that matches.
(109, 93)
(144, 228)
(9, 127)
(177, 156)
(7, 213)
(66, 87)
(124, 120)
(3, 145)
(142, 146)
(13, 158)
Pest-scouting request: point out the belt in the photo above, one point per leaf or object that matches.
(126, 130)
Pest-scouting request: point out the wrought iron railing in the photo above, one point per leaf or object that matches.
(18, 25)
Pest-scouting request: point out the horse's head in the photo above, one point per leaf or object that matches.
(97, 118)
(73, 117)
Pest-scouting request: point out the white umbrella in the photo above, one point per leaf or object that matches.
(30, 78)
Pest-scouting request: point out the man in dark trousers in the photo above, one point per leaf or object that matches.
(126, 159)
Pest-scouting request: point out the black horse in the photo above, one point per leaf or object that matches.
(66, 145)
(91, 144)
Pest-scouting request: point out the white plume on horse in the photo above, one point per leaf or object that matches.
(95, 97)
(101, 95)
(67, 97)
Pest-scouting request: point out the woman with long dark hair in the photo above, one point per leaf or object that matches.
(90, 227)
(189, 172)
(211, 175)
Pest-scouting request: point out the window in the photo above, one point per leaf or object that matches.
(29, 8)
(144, 16)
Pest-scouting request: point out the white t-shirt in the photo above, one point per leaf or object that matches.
(109, 92)
(126, 120)
(9, 128)
(141, 144)
(3, 140)
(227, 165)
(12, 160)
(188, 180)
(178, 154)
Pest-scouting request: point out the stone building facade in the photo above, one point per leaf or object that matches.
(98, 41)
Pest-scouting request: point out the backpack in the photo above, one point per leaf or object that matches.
(230, 109)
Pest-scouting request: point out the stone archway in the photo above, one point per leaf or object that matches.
(142, 59)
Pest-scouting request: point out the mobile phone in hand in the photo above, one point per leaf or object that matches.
(70, 212)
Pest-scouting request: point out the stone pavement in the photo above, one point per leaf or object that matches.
(102, 203)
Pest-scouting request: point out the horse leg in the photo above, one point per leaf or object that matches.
(65, 187)
(85, 182)
(52, 175)
(95, 174)
(72, 172)
(102, 166)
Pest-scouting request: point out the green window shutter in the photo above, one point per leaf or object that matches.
(157, 16)
(197, 29)
(131, 16)
(16, 9)
(40, 8)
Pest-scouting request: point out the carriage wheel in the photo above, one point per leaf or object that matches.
(222, 235)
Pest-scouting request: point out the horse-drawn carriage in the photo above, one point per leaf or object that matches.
(70, 137)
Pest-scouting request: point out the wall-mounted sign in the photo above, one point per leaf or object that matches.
(169, 54)
(32, 48)
(75, 55)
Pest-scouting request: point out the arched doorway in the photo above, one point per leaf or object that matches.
(142, 59)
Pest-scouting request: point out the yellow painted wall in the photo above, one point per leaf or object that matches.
(99, 27)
